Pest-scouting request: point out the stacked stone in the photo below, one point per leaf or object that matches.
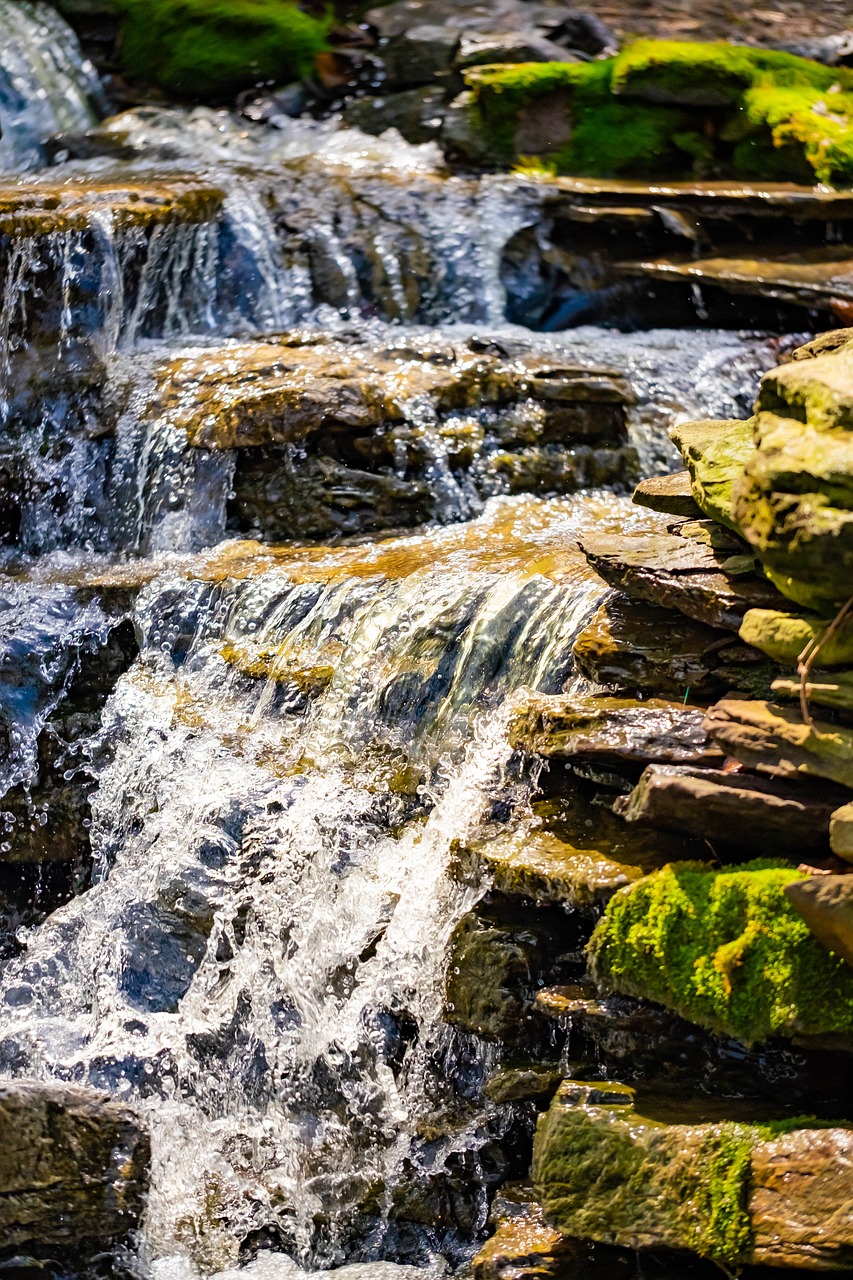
(719, 988)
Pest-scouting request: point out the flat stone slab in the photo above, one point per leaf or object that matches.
(43, 208)
(73, 1166)
(814, 279)
(774, 740)
(648, 1172)
(544, 868)
(670, 494)
(634, 645)
(739, 808)
(611, 730)
(713, 587)
(262, 393)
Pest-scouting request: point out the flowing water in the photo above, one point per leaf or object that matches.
(282, 774)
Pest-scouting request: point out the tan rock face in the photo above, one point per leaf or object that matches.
(841, 832)
(277, 393)
(826, 905)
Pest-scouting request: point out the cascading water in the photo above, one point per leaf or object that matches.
(258, 963)
(46, 85)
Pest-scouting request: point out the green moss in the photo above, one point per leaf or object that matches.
(725, 950)
(677, 109)
(723, 1227)
(213, 48)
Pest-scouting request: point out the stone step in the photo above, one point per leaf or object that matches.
(737, 809)
(713, 587)
(610, 731)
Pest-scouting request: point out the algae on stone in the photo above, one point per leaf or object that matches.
(784, 636)
(723, 949)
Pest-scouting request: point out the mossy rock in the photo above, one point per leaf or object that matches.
(673, 109)
(715, 453)
(211, 49)
(675, 1172)
(726, 950)
(784, 636)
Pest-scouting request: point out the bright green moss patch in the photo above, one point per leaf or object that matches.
(213, 48)
(725, 950)
(677, 109)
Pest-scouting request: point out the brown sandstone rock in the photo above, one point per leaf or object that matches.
(774, 740)
(826, 905)
(73, 1167)
(739, 809)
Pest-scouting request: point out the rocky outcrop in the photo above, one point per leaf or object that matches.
(336, 436)
(73, 1167)
(652, 1172)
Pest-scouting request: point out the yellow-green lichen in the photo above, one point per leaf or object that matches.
(726, 950)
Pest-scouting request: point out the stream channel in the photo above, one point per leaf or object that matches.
(255, 674)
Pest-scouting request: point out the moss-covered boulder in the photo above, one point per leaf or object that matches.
(673, 109)
(724, 949)
(213, 48)
(665, 1172)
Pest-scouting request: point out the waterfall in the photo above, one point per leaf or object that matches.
(46, 85)
(260, 965)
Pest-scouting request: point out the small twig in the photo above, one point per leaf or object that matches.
(807, 658)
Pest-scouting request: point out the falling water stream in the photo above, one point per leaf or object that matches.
(258, 963)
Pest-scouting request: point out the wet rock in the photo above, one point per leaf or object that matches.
(579, 876)
(647, 1173)
(710, 586)
(499, 957)
(632, 1039)
(737, 809)
(639, 646)
(514, 46)
(418, 113)
(419, 54)
(611, 730)
(774, 740)
(816, 279)
(524, 1247)
(841, 832)
(826, 905)
(41, 208)
(73, 1168)
(724, 949)
(671, 494)
(272, 393)
(530, 1082)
